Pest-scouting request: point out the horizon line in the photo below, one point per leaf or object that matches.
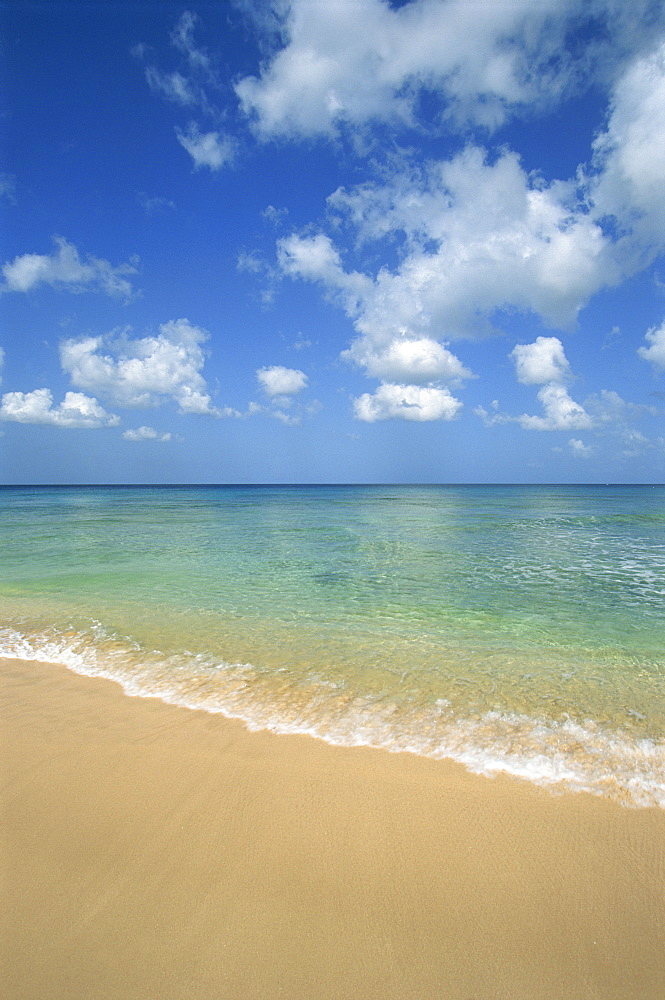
(180, 485)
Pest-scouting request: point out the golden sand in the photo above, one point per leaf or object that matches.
(159, 853)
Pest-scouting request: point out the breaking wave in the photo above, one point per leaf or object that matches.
(563, 755)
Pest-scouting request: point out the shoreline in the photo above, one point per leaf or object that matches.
(560, 754)
(153, 850)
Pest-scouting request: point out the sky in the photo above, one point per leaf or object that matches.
(317, 241)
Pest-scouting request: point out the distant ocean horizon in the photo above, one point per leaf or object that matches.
(515, 628)
(326, 485)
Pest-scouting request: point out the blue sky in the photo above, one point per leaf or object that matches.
(340, 241)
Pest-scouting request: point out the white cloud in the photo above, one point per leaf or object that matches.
(76, 410)
(174, 87)
(145, 434)
(655, 353)
(478, 237)
(605, 412)
(579, 449)
(207, 149)
(540, 362)
(316, 259)
(281, 385)
(8, 187)
(608, 408)
(406, 402)
(561, 412)
(352, 62)
(417, 361)
(290, 419)
(279, 381)
(251, 263)
(276, 216)
(474, 236)
(183, 38)
(184, 88)
(153, 206)
(634, 442)
(630, 154)
(490, 419)
(65, 269)
(144, 372)
(194, 85)
(338, 64)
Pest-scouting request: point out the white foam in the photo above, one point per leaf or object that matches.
(566, 755)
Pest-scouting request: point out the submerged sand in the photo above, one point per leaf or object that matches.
(156, 852)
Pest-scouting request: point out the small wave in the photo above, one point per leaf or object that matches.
(566, 755)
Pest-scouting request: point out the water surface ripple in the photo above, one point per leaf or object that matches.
(512, 628)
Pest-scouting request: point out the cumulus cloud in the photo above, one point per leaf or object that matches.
(145, 434)
(561, 413)
(279, 381)
(346, 64)
(417, 361)
(478, 237)
(579, 449)
(207, 149)
(65, 269)
(315, 258)
(281, 385)
(351, 62)
(655, 353)
(630, 155)
(76, 410)
(540, 362)
(144, 372)
(406, 402)
(544, 363)
(473, 235)
(606, 413)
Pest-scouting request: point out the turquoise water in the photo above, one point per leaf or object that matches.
(516, 629)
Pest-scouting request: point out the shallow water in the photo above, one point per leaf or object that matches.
(513, 628)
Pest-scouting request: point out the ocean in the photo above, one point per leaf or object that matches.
(516, 629)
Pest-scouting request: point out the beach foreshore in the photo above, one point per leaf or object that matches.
(150, 851)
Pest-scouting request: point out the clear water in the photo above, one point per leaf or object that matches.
(512, 628)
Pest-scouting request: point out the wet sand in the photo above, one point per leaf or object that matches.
(156, 852)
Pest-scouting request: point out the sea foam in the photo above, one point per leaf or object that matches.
(563, 755)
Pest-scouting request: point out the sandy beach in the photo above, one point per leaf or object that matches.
(154, 851)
